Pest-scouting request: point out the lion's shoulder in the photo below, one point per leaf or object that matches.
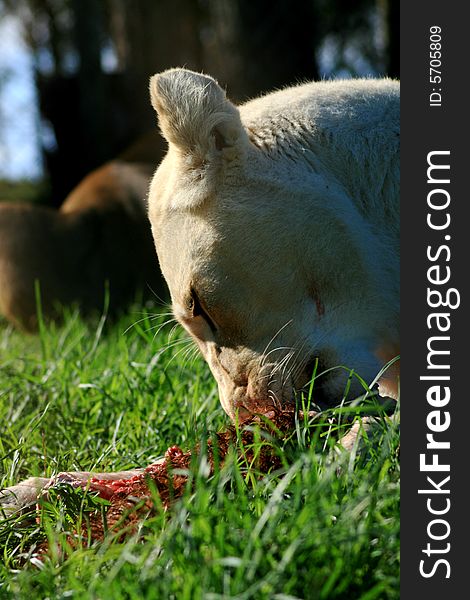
(327, 109)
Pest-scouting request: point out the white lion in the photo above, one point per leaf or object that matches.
(276, 225)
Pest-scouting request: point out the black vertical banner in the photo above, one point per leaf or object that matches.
(435, 267)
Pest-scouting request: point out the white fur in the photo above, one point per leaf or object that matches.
(283, 214)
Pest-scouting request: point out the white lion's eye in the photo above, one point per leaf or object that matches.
(190, 304)
(195, 308)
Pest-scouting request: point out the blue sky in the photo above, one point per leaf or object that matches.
(19, 121)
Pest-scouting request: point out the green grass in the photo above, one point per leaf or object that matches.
(96, 395)
(37, 192)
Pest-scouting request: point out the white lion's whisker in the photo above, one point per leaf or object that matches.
(263, 354)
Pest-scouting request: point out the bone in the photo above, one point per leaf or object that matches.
(18, 497)
(25, 494)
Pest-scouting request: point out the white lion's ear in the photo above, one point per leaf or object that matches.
(194, 112)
